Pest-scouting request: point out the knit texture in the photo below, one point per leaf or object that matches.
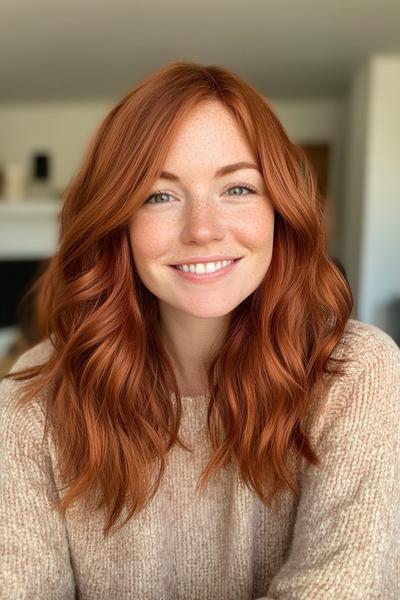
(339, 539)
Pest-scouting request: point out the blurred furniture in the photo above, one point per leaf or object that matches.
(29, 231)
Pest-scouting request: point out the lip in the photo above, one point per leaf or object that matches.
(203, 278)
(204, 259)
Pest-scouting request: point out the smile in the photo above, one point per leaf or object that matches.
(205, 276)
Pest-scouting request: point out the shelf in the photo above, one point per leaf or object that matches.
(29, 228)
(29, 206)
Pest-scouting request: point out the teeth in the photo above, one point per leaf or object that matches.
(204, 267)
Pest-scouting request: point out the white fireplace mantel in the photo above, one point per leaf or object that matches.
(29, 228)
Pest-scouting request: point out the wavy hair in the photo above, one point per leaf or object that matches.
(111, 393)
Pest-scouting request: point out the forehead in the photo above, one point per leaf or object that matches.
(208, 135)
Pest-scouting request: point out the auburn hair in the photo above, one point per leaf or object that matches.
(111, 393)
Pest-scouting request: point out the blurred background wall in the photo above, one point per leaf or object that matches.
(332, 73)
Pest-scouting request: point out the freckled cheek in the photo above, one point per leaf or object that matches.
(256, 231)
(257, 238)
(149, 240)
(257, 235)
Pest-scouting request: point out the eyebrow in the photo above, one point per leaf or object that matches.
(222, 171)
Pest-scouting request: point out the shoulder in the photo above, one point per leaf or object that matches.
(35, 355)
(369, 391)
(366, 346)
(17, 420)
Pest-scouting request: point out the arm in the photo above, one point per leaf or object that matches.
(347, 530)
(34, 555)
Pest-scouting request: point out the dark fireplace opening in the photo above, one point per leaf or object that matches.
(16, 304)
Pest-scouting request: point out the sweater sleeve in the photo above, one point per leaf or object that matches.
(34, 554)
(347, 530)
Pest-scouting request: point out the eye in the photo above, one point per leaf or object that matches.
(241, 186)
(158, 193)
(238, 186)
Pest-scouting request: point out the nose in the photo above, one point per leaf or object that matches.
(202, 220)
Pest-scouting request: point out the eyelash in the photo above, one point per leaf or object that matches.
(246, 186)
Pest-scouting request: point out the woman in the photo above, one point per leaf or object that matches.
(273, 416)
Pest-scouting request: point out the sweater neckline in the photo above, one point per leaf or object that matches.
(196, 397)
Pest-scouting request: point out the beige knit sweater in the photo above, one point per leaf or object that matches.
(340, 540)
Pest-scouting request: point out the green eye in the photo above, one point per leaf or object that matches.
(155, 195)
(241, 187)
(247, 187)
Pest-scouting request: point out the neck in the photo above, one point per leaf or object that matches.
(190, 342)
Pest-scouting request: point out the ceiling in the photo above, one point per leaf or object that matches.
(90, 49)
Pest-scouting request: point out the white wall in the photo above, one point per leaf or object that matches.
(372, 200)
(380, 248)
(354, 176)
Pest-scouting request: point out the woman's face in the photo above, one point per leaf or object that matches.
(199, 214)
